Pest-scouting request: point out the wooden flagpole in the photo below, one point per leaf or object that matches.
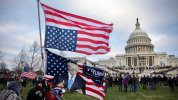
(40, 34)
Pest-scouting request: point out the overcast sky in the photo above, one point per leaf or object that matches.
(158, 18)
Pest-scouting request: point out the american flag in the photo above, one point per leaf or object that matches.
(56, 65)
(69, 32)
(28, 73)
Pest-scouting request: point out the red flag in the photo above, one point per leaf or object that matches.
(69, 32)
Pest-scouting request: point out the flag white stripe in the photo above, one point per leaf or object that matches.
(91, 44)
(92, 38)
(76, 28)
(93, 94)
(91, 51)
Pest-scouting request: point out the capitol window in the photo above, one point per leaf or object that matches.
(175, 61)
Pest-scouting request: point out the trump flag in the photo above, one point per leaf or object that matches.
(89, 79)
(69, 32)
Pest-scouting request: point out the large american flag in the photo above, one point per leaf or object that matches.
(56, 65)
(69, 32)
(28, 73)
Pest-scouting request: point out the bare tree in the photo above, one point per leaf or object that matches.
(3, 66)
(34, 57)
(19, 62)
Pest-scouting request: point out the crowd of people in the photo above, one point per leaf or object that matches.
(145, 82)
(14, 85)
(53, 91)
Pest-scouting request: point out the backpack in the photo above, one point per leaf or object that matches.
(9, 95)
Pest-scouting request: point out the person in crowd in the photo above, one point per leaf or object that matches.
(23, 85)
(165, 80)
(27, 81)
(130, 81)
(154, 82)
(148, 81)
(12, 91)
(171, 84)
(141, 80)
(151, 83)
(159, 80)
(174, 79)
(144, 82)
(4, 81)
(113, 80)
(120, 83)
(55, 91)
(138, 81)
(33, 82)
(125, 84)
(37, 93)
(106, 86)
(9, 79)
(116, 80)
(110, 81)
(134, 83)
(177, 83)
(162, 81)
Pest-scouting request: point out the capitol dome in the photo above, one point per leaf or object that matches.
(139, 41)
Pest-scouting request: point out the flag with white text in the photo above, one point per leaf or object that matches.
(69, 32)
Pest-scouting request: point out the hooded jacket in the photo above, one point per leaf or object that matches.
(11, 92)
(14, 86)
(37, 93)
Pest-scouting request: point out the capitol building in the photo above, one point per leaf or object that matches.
(139, 52)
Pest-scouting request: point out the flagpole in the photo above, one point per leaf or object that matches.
(40, 33)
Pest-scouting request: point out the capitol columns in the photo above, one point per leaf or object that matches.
(125, 61)
(152, 61)
(131, 61)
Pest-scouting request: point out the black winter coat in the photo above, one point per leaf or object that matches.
(37, 93)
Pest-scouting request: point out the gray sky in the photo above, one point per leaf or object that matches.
(158, 18)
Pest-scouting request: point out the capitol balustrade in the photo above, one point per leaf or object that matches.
(153, 70)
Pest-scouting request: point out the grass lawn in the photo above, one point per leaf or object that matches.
(162, 93)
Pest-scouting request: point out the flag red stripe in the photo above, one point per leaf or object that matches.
(90, 40)
(72, 15)
(93, 35)
(93, 48)
(76, 25)
(76, 22)
(93, 90)
(30, 75)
